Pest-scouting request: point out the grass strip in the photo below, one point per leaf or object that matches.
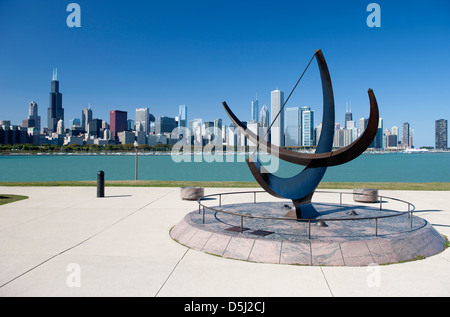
(8, 198)
(323, 185)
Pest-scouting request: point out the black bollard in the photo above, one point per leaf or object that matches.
(100, 184)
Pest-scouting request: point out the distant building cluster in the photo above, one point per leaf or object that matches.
(291, 127)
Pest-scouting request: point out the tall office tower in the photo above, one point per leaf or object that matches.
(348, 116)
(441, 132)
(307, 126)
(86, 117)
(378, 140)
(60, 127)
(33, 115)
(117, 122)
(182, 116)
(264, 117)
(405, 137)
(74, 122)
(318, 132)
(130, 125)
(143, 120)
(277, 130)
(394, 130)
(218, 131)
(164, 125)
(350, 133)
(253, 126)
(255, 109)
(362, 125)
(55, 110)
(94, 127)
(293, 134)
(195, 127)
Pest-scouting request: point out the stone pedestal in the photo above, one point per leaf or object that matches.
(365, 195)
(191, 193)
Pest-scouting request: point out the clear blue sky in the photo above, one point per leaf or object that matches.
(159, 54)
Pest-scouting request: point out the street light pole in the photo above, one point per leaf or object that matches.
(136, 161)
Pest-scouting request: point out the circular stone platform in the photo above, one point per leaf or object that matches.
(339, 243)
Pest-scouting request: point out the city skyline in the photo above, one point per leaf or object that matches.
(170, 53)
(299, 129)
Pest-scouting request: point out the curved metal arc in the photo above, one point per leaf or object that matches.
(332, 158)
(300, 187)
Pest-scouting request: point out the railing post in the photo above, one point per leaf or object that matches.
(203, 214)
(254, 197)
(242, 224)
(410, 214)
(309, 229)
(381, 202)
(376, 227)
(220, 200)
(340, 198)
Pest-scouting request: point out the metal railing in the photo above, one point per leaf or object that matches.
(410, 211)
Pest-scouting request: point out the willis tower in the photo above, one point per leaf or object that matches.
(55, 109)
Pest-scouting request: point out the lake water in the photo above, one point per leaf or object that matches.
(391, 167)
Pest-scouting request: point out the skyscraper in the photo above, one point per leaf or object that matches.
(255, 109)
(405, 136)
(117, 122)
(143, 120)
(86, 117)
(182, 116)
(441, 133)
(277, 130)
(348, 116)
(74, 122)
(362, 125)
(60, 127)
(293, 134)
(94, 127)
(33, 115)
(218, 131)
(307, 126)
(264, 117)
(164, 125)
(378, 140)
(55, 110)
(394, 130)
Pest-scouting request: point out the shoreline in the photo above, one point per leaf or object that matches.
(165, 153)
(434, 186)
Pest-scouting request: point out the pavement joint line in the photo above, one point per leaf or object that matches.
(326, 281)
(30, 220)
(342, 255)
(251, 250)
(173, 270)
(80, 243)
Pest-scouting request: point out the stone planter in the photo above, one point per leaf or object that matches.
(365, 195)
(191, 193)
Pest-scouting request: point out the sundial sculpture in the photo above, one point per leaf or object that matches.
(300, 188)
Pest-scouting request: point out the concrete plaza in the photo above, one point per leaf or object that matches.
(63, 241)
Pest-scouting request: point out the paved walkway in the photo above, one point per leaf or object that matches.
(63, 241)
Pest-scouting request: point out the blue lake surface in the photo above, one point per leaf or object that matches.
(391, 167)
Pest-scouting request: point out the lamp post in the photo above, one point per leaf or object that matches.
(136, 161)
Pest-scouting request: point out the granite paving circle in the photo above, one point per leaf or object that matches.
(335, 243)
